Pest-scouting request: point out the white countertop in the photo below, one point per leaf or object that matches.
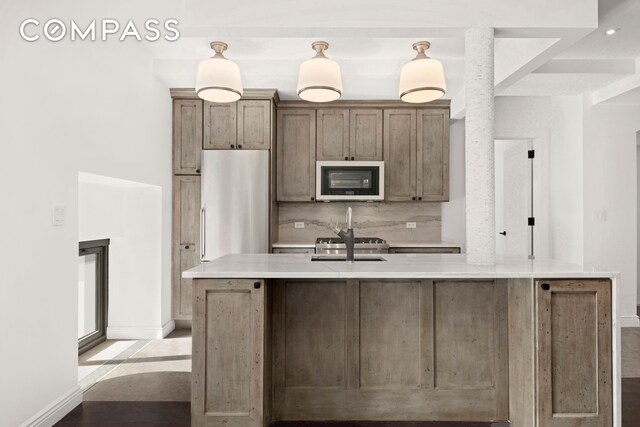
(398, 266)
(392, 244)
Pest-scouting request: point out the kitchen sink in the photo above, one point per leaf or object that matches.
(343, 258)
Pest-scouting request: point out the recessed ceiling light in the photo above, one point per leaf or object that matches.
(611, 31)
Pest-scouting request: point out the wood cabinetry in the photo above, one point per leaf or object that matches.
(400, 160)
(413, 142)
(389, 350)
(416, 154)
(574, 360)
(187, 136)
(245, 124)
(349, 134)
(229, 358)
(296, 148)
(186, 240)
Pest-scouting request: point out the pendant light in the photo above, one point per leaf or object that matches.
(319, 79)
(422, 79)
(218, 78)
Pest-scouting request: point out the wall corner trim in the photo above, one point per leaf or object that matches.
(168, 327)
(56, 410)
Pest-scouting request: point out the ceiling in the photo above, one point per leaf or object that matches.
(540, 49)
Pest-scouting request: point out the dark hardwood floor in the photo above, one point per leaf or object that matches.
(177, 414)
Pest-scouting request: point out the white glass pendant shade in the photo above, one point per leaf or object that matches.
(319, 79)
(422, 79)
(218, 79)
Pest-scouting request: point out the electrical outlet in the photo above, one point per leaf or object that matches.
(298, 225)
(411, 225)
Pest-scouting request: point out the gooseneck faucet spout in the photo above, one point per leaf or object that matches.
(348, 237)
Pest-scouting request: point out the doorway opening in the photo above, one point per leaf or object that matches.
(93, 291)
(514, 198)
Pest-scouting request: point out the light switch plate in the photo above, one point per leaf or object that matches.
(59, 215)
(298, 225)
(411, 225)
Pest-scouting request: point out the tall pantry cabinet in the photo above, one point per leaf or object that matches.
(247, 124)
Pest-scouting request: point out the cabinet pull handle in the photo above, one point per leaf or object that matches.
(413, 198)
(420, 198)
(233, 146)
(346, 157)
(313, 198)
(353, 158)
(256, 285)
(240, 146)
(198, 170)
(203, 235)
(545, 286)
(186, 246)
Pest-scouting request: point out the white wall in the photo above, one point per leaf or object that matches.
(129, 214)
(453, 211)
(65, 107)
(610, 196)
(565, 195)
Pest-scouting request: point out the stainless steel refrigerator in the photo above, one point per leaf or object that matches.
(234, 215)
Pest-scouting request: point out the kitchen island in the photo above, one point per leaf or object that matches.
(409, 338)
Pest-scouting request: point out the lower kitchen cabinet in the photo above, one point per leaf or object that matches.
(574, 360)
(229, 357)
(186, 241)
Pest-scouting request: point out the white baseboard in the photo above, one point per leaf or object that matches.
(140, 333)
(629, 322)
(56, 410)
(168, 327)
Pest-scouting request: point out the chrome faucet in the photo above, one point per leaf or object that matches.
(347, 236)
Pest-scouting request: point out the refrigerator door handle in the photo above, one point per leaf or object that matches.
(203, 246)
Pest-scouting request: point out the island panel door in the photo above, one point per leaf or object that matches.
(574, 363)
(228, 349)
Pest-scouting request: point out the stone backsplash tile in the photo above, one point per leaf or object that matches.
(384, 220)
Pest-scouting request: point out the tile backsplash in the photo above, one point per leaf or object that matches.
(385, 220)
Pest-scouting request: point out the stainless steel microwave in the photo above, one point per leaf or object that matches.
(347, 180)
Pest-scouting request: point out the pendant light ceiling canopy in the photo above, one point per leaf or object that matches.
(218, 78)
(319, 79)
(422, 79)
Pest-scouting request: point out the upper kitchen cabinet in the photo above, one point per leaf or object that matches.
(365, 134)
(296, 147)
(333, 134)
(220, 127)
(433, 155)
(400, 155)
(187, 136)
(416, 154)
(349, 134)
(254, 125)
(245, 124)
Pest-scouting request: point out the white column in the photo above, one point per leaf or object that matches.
(479, 147)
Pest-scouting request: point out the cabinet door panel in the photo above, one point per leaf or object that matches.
(296, 155)
(219, 126)
(400, 154)
(433, 155)
(229, 353)
(186, 240)
(333, 134)
(254, 125)
(187, 136)
(366, 134)
(574, 372)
